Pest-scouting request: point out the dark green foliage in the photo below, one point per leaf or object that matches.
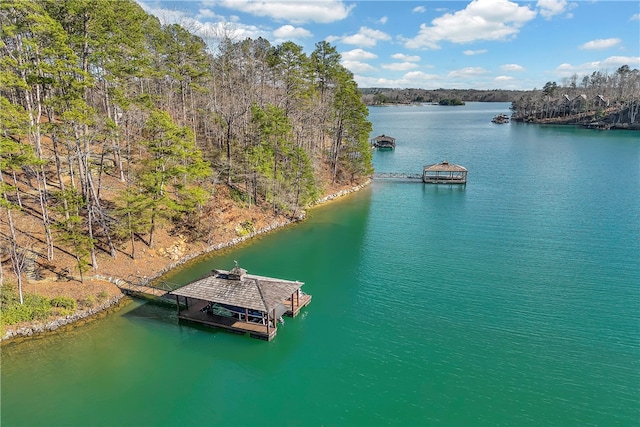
(63, 302)
(63, 305)
(451, 101)
(35, 307)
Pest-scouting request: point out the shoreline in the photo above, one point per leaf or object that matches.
(37, 329)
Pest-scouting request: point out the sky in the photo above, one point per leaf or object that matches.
(479, 44)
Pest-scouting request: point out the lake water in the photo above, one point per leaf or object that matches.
(514, 300)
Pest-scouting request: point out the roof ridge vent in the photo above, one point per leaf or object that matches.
(237, 273)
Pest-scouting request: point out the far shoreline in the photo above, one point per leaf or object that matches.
(39, 329)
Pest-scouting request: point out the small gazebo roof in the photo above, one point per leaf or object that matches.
(384, 138)
(445, 166)
(247, 291)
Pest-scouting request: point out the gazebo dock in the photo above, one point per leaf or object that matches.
(240, 302)
(444, 173)
(384, 142)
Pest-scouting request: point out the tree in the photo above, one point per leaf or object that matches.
(169, 171)
(350, 127)
(72, 228)
(14, 155)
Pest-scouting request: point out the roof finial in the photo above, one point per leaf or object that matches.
(236, 263)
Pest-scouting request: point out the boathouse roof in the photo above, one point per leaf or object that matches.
(239, 289)
(383, 137)
(445, 166)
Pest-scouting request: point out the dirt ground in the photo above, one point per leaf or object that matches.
(60, 277)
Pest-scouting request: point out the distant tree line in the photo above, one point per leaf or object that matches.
(382, 96)
(90, 88)
(600, 100)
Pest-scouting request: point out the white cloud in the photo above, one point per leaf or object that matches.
(503, 78)
(600, 44)
(290, 32)
(480, 20)
(419, 9)
(206, 13)
(399, 66)
(166, 16)
(474, 52)
(467, 72)
(325, 11)
(635, 17)
(358, 67)
(207, 30)
(512, 67)
(358, 55)
(383, 20)
(411, 79)
(403, 57)
(609, 64)
(550, 8)
(366, 37)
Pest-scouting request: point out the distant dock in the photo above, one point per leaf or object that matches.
(438, 173)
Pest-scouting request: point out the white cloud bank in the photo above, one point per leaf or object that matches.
(480, 20)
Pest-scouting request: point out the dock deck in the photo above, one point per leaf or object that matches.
(195, 314)
(295, 306)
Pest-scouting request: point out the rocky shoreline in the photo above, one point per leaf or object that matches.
(39, 328)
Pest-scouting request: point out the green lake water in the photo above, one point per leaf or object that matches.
(514, 300)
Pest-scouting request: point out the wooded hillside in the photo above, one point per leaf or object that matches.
(600, 100)
(114, 125)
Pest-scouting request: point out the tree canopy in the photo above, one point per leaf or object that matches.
(104, 89)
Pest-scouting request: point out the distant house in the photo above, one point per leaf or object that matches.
(579, 103)
(600, 102)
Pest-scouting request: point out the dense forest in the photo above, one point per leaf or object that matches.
(380, 96)
(97, 91)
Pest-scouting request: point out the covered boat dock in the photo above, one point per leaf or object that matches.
(384, 142)
(240, 302)
(444, 173)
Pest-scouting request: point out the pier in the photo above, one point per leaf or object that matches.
(143, 288)
(438, 173)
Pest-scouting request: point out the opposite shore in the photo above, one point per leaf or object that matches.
(17, 332)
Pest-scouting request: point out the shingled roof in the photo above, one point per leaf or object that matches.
(445, 167)
(250, 291)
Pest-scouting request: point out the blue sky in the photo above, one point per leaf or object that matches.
(479, 44)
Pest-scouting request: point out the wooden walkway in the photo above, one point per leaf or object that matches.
(143, 289)
(400, 176)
